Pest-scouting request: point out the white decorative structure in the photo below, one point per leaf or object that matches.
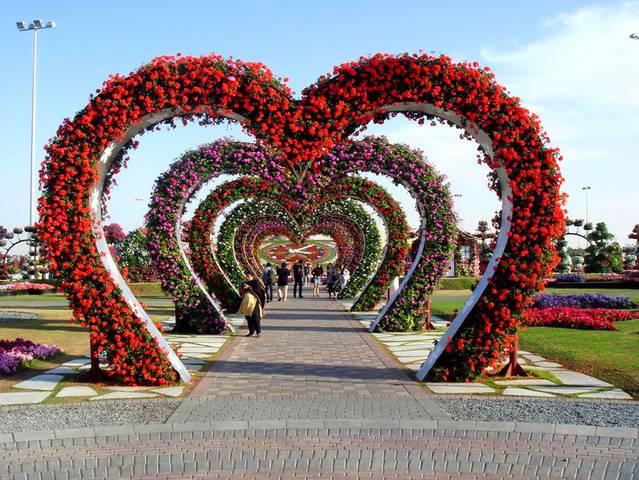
(506, 214)
(103, 167)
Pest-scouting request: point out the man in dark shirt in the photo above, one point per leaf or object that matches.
(282, 282)
(298, 276)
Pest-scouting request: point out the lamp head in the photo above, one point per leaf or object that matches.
(21, 25)
(37, 23)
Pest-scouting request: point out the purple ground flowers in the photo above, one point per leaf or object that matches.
(15, 354)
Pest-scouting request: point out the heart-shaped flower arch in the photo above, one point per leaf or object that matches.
(233, 255)
(249, 238)
(405, 311)
(207, 268)
(252, 222)
(88, 150)
(348, 214)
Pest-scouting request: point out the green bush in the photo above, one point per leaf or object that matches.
(457, 283)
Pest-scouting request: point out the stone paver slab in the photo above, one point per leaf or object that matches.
(526, 381)
(615, 394)
(459, 388)
(122, 388)
(124, 395)
(63, 371)
(548, 364)
(196, 355)
(77, 362)
(192, 361)
(568, 377)
(79, 391)
(565, 390)
(523, 392)
(169, 391)
(40, 382)
(21, 398)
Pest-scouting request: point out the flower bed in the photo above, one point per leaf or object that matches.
(583, 300)
(18, 353)
(580, 318)
(570, 277)
(25, 288)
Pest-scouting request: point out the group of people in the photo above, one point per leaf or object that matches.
(302, 273)
(256, 293)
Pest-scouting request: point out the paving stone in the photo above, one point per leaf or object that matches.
(611, 394)
(20, 398)
(79, 391)
(103, 366)
(169, 391)
(123, 388)
(192, 361)
(124, 395)
(523, 392)
(568, 377)
(77, 362)
(40, 382)
(63, 371)
(548, 364)
(526, 381)
(459, 388)
(565, 390)
(405, 349)
(195, 355)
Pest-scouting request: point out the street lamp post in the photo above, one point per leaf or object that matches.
(460, 220)
(585, 189)
(22, 27)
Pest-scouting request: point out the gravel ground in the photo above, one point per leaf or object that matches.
(577, 412)
(85, 414)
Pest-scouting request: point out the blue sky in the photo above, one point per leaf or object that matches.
(570, 61)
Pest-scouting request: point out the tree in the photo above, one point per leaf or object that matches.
(604, 255)
(114, 234)
(635, 236)
(134, 256)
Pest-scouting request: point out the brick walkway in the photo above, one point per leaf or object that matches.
(308, 347)
(315, 397)
(196, 451)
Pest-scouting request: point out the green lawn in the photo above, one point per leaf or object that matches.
(612, 356)
(53, 326)
(45, 297)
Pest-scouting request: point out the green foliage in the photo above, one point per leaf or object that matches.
(133, 251)
(604, 255)
(458, 283)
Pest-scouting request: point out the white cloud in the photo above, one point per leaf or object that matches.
(582, 79)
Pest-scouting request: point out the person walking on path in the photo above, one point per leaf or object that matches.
(282, 282)
(269, 278)
(298, 277)
(317, 272)
(307, 273)
(252, 306)
(344, 277)
(331, 279)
